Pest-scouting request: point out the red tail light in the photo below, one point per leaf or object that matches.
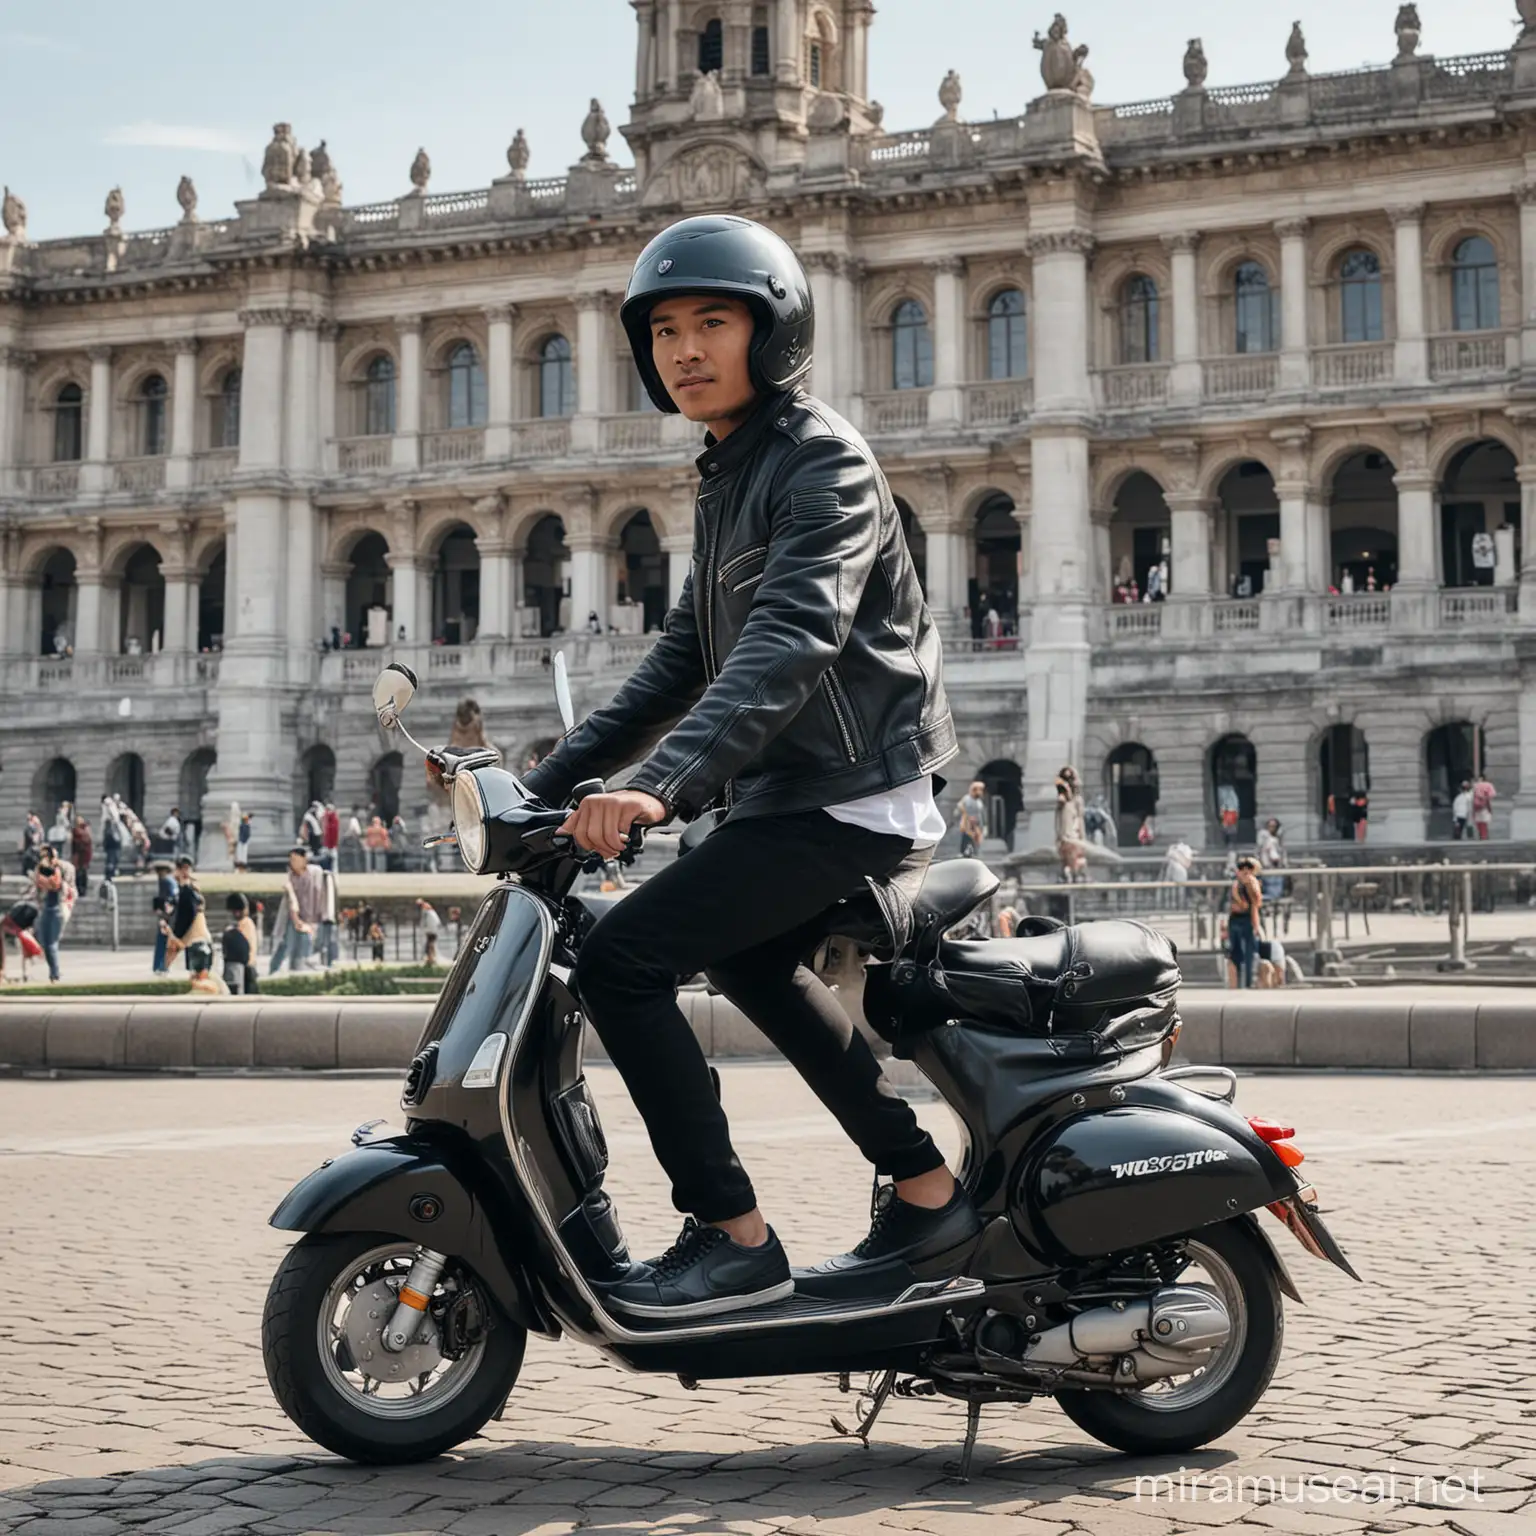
(1268, 1130)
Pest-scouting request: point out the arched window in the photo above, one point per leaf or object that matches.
(227, 428)
(1475, 286)
(152, 395)
(1007, 346)
(1138, 319)
(557, 379)
(711, 46)
(1255, 309)
(911, 347)
(68, 423)
(813, 72)
(760, 61)
(379, 397)
(1360, 296)
(466, 387)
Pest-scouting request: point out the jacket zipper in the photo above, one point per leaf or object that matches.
(828, 682)
(736, 561)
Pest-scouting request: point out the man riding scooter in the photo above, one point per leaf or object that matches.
(797, 692)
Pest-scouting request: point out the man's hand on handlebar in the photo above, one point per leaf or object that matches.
(602, 822)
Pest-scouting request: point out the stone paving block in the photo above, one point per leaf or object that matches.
(1352, 1034)
(226, 1034)
(1506, 1034)
(162, 1034)
(296, 1034)
(24, 1034)
(1200, 1039)
(87, 1035)
(1258, 1031)
(1443, 1034)
(375, 1035)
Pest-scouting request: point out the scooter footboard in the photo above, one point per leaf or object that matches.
(422, 1191)
(1119, 1178)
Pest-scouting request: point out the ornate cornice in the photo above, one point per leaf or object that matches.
(250, 319)
(185, 346)
(1181, 240)
(99, 354)
(1057, 242)
(1292, 229)
(407, 325)
(598, 299)
(951, 266)
(1406, 213)
(504, 312)
(824, 261)
(1526, 192)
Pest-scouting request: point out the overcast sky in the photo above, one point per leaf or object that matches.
(96, 93)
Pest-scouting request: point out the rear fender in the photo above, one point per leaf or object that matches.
(1282, 1274)
(423, 1192)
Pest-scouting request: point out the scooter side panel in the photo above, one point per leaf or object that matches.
(1135, 1174)
(424, 1193)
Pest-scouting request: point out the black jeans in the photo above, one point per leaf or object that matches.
(742, 907)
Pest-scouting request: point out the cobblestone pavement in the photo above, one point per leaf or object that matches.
(132, 1395)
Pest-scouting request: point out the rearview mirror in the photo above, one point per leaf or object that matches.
(563, 692)
(394, 689)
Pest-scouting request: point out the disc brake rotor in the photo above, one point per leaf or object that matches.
(363, 1328)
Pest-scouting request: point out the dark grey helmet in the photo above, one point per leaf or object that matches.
(720, 253)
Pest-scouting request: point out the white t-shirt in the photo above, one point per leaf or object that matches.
(1461, 806)
(907, 811)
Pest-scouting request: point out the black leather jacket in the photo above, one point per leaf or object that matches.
(800, 668)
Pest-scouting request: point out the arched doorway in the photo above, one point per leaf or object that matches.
(58, 597)
(369, 593)
(995, 585)
(642, 575)
(1232, 771)
(545, 564)
(456, 587)
(316, 779)
(384, 780)
(141, 604)
(1479, 497)
(1130, 784)
(1454, 755)
(52, 784)
(125, 779)
(210, 603)
(192, 788)
(1362, 524)
(1343, 768)
(1247, 518)
(917, 541)
(1140, 539)
(1004, 780)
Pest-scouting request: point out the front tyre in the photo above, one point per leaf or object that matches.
(1181, 1413)
(322, 1340)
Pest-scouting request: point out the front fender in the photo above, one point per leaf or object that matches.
(426, 1193)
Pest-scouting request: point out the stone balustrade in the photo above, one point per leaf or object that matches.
(458, 445)
(900, 410)
(1472, 355)
(1247, 376)
(139, 475)
(1000, 402)
(1352, 365)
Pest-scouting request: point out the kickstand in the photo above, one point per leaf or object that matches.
(875, 1396)
(960, 1471)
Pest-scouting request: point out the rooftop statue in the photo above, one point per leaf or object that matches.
(113, 209)
(1061, 65)
(1296, 50)
(517, 153)
(14, 214)
(594, 134)
(421, 171)
(1407, 26)
(1195, 67)
(707, 102)
(949, 95)
(186, 195)
(277, 163)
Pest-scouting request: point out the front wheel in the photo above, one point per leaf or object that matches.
(322, 1340)
(1183, 1412)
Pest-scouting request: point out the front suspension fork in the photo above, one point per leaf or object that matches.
(415, 1295)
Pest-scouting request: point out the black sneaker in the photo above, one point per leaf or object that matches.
(705, 1272)
(900, 1233)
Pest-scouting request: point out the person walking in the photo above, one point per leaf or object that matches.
(1228, 812)
(243, 842)
(170, 830)
(304, 893)
(1245, 902)
(1359, 812)
(1483, 796)
(1071, 828)
(163, 902)
(972, 814)
(312, 829)
(431, 926)
(182, 920)
(31, 842)
(239, 944)
(48, 895)
(1461, 812)
(1271, 857)
(81, 848)
(376, 846)
(330, 837)
(354, 838)
(111, 840)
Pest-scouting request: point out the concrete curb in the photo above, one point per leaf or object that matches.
(1269, 1029)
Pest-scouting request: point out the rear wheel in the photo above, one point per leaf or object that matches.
(1180, 1413)
(322, 1339)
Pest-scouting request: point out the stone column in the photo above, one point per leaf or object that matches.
(645, 14)
(178, 467)
(496, 561)
(1295, 494)
(325, 385)
(1061, 320)
(88, 637)
(1184, 381)
(498, 382)
(333, 588)
(180, 605)
(786, 61)
(405, 571)
(98, 422)
(1411, 351)
(405, 453)
(262, 387)
(592, 360)
(1526, 475)
(678, 548)
(1189, 569)
(1526, 196)
(303, 423)
(1295, 363)
(13, 372)
(946, 401)
(589, 579)
(821, 268)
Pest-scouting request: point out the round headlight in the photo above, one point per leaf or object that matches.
(469, 821)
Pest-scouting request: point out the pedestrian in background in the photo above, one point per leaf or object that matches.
(431, 926)
(1071, 831)
(972, 814)
(1245, 903)
(163, 902)
(1359, 813)
(376, 940)
(243, 842)
(330, 837)
(111, 840)
(48, 896)
(31, 842)
(239, 944)
(304, 892)
(376, 846)
(1461, 812)
(1483, 796)
(81, 848)
(1271, 856)
(170, 829)
(186, 923)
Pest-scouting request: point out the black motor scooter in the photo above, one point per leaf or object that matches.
(1120, 1267)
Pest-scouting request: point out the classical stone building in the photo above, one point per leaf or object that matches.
(1271, 349)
